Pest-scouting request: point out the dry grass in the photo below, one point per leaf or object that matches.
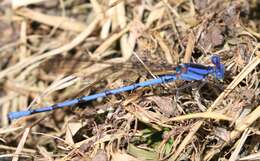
(51, 51)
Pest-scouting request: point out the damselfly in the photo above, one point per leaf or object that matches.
(187, 71)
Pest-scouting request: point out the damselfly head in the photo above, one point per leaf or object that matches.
(215, 59)
(220, 71)
(220, 68)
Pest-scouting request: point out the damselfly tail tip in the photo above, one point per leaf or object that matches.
(16, 115)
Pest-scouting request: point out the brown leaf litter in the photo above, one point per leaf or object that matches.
(51, 51)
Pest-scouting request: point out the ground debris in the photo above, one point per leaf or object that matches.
(52, 51)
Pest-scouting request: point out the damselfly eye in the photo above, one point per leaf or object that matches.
(215, 60)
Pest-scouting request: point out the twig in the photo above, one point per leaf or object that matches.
(63, 22)
(21, 144)
(33, 59)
